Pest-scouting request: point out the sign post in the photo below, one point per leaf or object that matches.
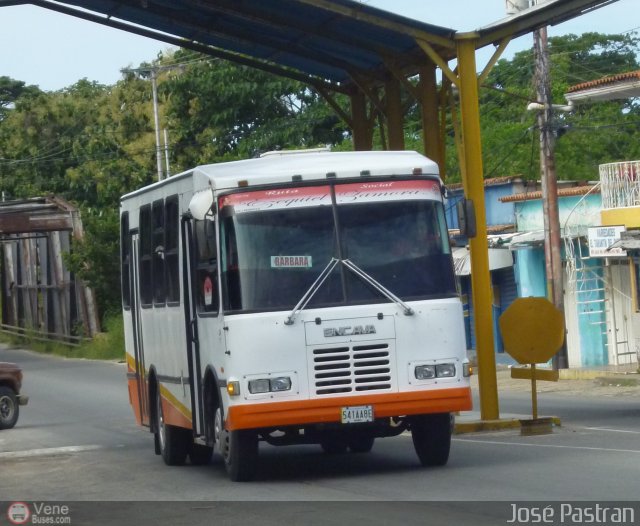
(532, 330)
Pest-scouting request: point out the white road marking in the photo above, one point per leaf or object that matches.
(48, 451)
(613, 430)
(555, 446)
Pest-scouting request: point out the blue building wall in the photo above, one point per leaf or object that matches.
(530, 272)
(586, 303)
(529, 213)
(591, 315)
(504, 292)
(498, 213)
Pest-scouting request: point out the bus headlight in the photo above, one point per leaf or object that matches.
(282, 383)
(269, 385)
(425, 372)
(259, 386)
(432, 371)
(445, 370)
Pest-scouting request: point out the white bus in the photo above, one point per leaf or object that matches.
(298, 298)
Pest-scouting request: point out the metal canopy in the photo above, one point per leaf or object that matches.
(337, 43)
(291, 34)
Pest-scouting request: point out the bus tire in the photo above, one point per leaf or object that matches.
(238, 448)
(9, 408)
(334, 445)
(173, 441)
(431, 435)
(361, 443)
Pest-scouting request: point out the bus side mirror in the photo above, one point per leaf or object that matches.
(466, 218)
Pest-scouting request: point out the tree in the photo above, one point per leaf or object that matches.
(217, 110)
(509, 133)
(10, 91)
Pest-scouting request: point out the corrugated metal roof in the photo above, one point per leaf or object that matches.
(329, 42)
(564, 192)
(296, 34)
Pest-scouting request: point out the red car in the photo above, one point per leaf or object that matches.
(10, 397)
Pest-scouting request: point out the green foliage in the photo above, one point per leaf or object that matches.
(10, 91)
(108, 345)
(95, 258)
(220, 111)
(594, 133)
(91, 143)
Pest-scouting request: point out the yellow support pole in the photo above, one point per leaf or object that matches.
(473, 183)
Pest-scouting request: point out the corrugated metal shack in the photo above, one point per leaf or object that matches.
(40, 297)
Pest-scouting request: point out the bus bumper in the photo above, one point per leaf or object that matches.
(328, 410)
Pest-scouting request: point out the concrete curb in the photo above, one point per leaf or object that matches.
(592, 374)
(502, 424)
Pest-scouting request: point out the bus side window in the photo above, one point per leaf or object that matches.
(230, 271)
(146, 257)
(125, 259)
(171, 254)
(206, 266)
(158, 253)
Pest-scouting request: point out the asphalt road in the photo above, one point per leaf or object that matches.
(77, 441)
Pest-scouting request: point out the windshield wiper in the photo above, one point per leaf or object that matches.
(306, 298)
(380, 288)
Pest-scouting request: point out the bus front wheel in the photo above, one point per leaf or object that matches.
(238, 448)
(431, 436)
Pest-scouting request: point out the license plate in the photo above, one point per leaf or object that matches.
(357, 414)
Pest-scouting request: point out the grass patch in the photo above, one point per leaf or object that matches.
(107, 345)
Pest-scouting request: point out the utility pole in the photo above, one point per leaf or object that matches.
(552, 234)
(166, 153)
(156, 120)
(152, 71)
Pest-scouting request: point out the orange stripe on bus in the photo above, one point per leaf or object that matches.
(134, 399)
(174, 412)
(327, 410)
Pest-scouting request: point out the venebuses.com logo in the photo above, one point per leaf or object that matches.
(38, 513)
(18, 513)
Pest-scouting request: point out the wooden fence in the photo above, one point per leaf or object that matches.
(41, 298)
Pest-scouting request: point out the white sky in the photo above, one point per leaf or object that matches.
(54, 51)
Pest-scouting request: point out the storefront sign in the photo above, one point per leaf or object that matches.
(601, 238)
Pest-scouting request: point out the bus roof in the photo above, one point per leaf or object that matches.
(281, 166)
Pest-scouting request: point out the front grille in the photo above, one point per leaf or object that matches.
(351, 368)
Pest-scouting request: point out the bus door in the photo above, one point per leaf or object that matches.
(138, 344)
(191, 321)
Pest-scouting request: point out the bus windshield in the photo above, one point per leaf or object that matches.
(275, 246)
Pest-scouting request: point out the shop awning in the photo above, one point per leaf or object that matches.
(498, 258)
(630, 240)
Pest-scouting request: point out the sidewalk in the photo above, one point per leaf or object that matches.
(588, 381)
